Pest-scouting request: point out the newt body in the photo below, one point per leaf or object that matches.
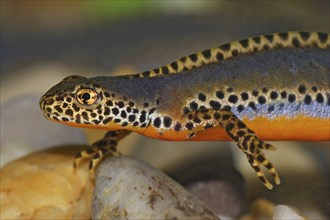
(272, 87)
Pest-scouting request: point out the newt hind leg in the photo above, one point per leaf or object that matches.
(244, 137)
(106, 146)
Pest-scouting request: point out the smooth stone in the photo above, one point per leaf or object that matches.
(285, 212)
(44, 185)
(128, 188)
(224, 192)
(214, 180)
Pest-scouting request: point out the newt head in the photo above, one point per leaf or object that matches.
(78, 101)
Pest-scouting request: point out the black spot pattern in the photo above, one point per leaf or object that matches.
(233, 99)
(216, 115)
(131, 104)
(307, 99)
(84, 116)
(234, 53)
(135, 124)
(157, 122)
(174, 66)
(255, 93)
(131, 118)
(225, 47)
(109, 103)
(314, 88)
(322, 36)
(265, 47)
(115, 111)
(229, 89)
(189, 126)
(240, 108)
(291, 98)
(261, 100)
(193, 105)
(107, 120)
(202, 97)
(220, 94)
(215, 104)
(295, 42)
(183, 59)
(284, 35)
(143, 116)
(58, 108)
(120, 104)
(245, 43)
(197, 120)
(207, 54)
(244, 96)
(273, 95)
(177, 126)
(227, 107)
(69, 112)
(219, 56)
(146, 73)
(193, 57)
(123, 114)
(319, 98)
(185, 110)
(167, 122)
(256, 40)
(252, 106)
(165, 70)
(304, 35)
(269, 37)
(271, 108)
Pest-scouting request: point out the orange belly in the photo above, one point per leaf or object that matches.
(300, 128)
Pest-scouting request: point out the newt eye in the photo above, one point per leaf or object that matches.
(87, 97)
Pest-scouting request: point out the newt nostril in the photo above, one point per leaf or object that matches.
(48, 101)
(45, 102)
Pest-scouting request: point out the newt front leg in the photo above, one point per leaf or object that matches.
(106, 146)
(244, 137)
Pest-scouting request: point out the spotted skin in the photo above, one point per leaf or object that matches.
(270, 87)
(246, 46)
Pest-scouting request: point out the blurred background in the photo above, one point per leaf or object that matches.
(44, 41)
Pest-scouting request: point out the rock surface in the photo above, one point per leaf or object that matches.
(215, 181)
(225, 195)
(285, 212)
(44, 185)
(131, 189)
